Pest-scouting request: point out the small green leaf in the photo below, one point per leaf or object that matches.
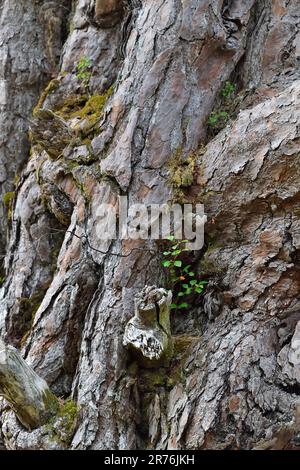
(166, 253)
(185, 270)
(181, 294)
(176, 252)
(178, 263)
(191, 274)
(166, 264)
(172, 306)
(170, 238)
(185, 286)
(183, 305)
(199, 290)
(193, 282)
(223, 114)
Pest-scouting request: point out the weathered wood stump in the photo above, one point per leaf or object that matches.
(27, 393)
(148, 333)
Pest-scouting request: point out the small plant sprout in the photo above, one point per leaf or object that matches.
(183, 281)
(218, 119)
(228, 89)
(84, 73)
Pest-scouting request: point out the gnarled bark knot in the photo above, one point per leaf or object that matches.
(27, 393)
(148, 333)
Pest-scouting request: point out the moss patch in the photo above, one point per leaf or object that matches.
(52, 86)
(70, 106)
(87, 109)
(51, 404)
(166, 377)
(7, 200)
(183, 172)
(93, 108)
(61, 426)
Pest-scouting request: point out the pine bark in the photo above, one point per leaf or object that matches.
(159, 68)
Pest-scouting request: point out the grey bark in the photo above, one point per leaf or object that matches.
(31, 34)
(232, 382)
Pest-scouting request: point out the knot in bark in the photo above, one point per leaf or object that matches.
(148, 333)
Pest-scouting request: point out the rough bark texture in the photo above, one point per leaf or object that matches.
(28, 394)
(31, 36)
(233, 381)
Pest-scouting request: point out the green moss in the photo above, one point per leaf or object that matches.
(94, 106)
(70, 106)
(51, 404)
(133, 368)
(183, 171)
(61, 426)
(87, 109)
(68, 411)
(150, 380)
(16, 180)
(225, 108)
(86, 141)
(8, 198)
(52, 86)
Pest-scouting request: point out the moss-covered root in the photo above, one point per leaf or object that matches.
(28, 394)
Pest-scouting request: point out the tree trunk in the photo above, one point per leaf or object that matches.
(133, 109)
(28, 394)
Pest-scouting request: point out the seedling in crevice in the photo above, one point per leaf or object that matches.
(219, 118)
(84, 73)
(182, 280)
(228, 89)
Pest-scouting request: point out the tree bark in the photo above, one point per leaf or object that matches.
(157, 71)
(28, 394)
(31, 35)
